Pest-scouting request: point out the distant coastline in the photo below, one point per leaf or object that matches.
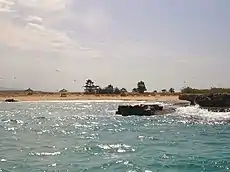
(57, 96)
(96, 92)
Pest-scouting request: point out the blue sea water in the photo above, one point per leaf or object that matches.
(89, 137)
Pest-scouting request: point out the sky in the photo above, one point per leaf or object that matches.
(53, 44)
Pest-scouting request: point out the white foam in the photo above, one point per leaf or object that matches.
(120, 148)
(151, 103)
(196, 111)
(45, 153)
(163, 103)
(82, 101)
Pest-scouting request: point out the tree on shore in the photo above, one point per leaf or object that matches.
(117, 90)
(141, 87)
(163, 90)
(109, 89)
(134, 90)
(123, 90)
(90, 87)
(172, 90)
(63, 92)
(29, 91)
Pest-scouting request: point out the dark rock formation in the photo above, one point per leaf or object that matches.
(143, 110)
(189, 97)
(213, 102)
(11, 100)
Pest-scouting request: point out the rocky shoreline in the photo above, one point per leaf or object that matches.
(212, 102)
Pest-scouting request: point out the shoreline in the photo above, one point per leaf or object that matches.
(84, 97)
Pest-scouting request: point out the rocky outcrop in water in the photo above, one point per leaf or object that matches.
(213, 102)
(11, 100)
(143, 110)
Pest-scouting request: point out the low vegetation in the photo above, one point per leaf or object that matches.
(189, 90)
(91, 88)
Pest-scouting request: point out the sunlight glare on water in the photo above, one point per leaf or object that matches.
(88, 136)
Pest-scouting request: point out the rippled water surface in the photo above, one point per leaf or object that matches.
(89, 137)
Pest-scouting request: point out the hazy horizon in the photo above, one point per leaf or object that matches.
(55, 44)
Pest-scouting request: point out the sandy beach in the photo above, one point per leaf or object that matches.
(78, 96)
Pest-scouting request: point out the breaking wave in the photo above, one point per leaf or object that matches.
(198, 115)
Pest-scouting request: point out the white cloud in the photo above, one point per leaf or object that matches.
(33, 36)
(50, 5)
(6, 5)
(33, 30)
(34, 19)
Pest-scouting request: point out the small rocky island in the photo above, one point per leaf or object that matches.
(213, 102)
(143, 110)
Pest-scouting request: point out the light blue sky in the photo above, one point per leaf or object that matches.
(119, 42)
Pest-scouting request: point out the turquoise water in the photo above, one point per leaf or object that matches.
(89, 137)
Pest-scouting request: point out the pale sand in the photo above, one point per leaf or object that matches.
(57, 97)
